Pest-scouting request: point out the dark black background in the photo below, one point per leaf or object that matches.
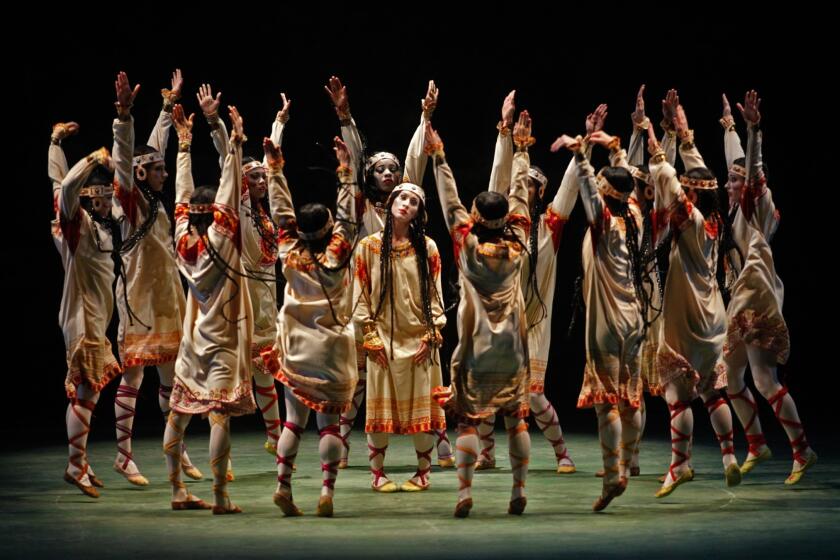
(562, 64)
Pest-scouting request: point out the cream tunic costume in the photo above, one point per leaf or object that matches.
(87, 301)
(754, 313)
(259, 255)
(490, 364)
(399, 396)
(614, 324)
(315, 351)
(212, 372)
(694, 319)
(372, 215)
(549, 234)
(631, 159)
(151, 333)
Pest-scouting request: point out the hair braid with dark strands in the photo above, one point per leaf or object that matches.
(417, 237)
(532, 287)
(313, 217)
(101, 175)
(154, 201)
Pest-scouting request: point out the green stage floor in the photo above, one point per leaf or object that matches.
(42, 516)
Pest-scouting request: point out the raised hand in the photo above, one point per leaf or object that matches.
(749, 110)
(567, 142)
(209, 104)
(342, 153)
(595, 120)
(429, 103)
(638, 115)
(283, 114)
(509, 108)
(238, 135)
(338, 95)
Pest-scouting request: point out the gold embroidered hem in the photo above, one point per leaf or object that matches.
(335, 399)
(447, 401)
(398, 428)
(769, 333)
(538, 368)
(90, 362)
(600, 387)
(236, 402)
(674, 368)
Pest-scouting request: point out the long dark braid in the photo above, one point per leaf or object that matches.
(417, 234)
(113, 226)
(532, 287)
(636, 261)
(154, 201)
(314, 248)
(650, 259)
(225, 268)
(417, 238)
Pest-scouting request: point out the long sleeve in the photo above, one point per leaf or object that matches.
(56, 169)
(690, 156)
(518, 198)
(564, 200)
(500, 173)
(667, 187)
(221, 141)
(282, 211)
(454, 212)
(160, 133)
(437, 303)
(669, 145)
(345, 207)
(350, 136)
(184, 185)
(123, 153)
(72, 185)
(127, 202)
(591, 199)
(362, 313)
(636, 147)
(756, 197)
(732, 146)
(229, 194)
(415, 157)
(276, 137)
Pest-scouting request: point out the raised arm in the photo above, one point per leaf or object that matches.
(75, 180)
(345, 207)
(667, 187)
(689, 153)
(500, 174)
(636, 147)
(279, 197)
(123, 151)
(454, 213)
(732, 148)
(337, 93)
(229, 194)
(518, 196)
(159, 137)
(56, 160)
(415, 157)
(184, 185)
(210, 107)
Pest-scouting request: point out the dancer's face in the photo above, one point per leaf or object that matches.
(257, 184)
(733, 188)
(386, 175)
(156, 175)
(405, 206)
(534, 190)
(101, 205)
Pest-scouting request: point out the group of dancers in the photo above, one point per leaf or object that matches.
(362, 313)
